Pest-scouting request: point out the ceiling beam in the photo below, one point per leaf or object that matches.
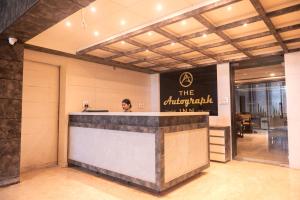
(262, 13)
(218, 28)
(89, 58)
(138, 59)
(273, 44)
(278, 53)
(212, 6)
(241, 39)
(222, 35)
(185, 43)
(133, 42)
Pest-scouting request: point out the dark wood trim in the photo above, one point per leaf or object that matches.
(212, 6)
(138, 59)
(199, 34)
(89, 58)
(233, 111)
(184, 43)
(157, 27)
(133, 42)
(217, 44)
(262, 13)
(221, 34)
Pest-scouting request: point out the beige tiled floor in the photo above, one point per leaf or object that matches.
(255, 146)
(234, 180)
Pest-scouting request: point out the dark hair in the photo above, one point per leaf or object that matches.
(127, 101)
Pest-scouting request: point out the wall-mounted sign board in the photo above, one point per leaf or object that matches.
(190, 90)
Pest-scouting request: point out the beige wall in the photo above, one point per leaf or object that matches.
(102, 86)
(39, 115)
(292, 78)
(224, 106)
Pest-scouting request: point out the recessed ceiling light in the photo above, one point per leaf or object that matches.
(229, 8)
(147, 50)
(159, 7)
(245, 24)
(173, 43)
(150, 33)
(122, 42)
(93, 9)
(96, 33)
(204, 35)
(272, 74)
(183, 22)
(68, 24)
(122, 22)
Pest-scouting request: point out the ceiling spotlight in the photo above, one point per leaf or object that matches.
(159, 7)
(245, 24)
(229, 8)
(68, 24)
(150, 33)
(204, 35)
(122, 42)
(272, 74)
(173, 43)
(183, 22)
(93, 9)
(96, 33)
(147, 50)
(122, 22)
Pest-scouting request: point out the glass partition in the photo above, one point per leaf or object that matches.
(261, 114)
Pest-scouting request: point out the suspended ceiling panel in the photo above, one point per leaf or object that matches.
(151, 37)
(258, 41)
(290, 34)
(266, 50)
(184, 27)
(271, 5)
(173, 34)
(240, 10)
(294, 45)
(206, 39)
(247, 29)
(287, 19)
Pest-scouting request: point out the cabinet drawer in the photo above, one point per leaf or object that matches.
(217, 157)
(217, 148)
(216, 140)
(219, 133)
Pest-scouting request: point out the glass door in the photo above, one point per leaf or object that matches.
(262, 121)
(277, 117)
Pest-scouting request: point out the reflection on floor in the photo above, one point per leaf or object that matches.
(231, 181)
(255, 147)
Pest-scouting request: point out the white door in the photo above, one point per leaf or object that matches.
(39, 134)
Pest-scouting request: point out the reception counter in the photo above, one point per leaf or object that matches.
(152, 150)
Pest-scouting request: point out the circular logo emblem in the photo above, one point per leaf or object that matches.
(186, 79)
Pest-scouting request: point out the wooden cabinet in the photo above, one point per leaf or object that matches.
(219, 143)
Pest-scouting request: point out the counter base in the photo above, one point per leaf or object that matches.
(151, 187)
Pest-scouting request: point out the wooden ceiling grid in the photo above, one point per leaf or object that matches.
(179, 51)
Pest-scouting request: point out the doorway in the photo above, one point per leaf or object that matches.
(40, 115)
(260, 115)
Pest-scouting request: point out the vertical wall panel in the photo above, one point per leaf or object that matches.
(11, 69)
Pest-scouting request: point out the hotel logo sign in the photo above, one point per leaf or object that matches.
(191, 90)
(186, 79)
